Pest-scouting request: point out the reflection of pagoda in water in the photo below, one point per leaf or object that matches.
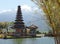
(19, 24)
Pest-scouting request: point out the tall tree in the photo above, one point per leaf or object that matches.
(52, 10)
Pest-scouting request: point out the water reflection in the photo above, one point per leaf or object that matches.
(18, 41)
(57, 40)
(6, 41)
(43, 40)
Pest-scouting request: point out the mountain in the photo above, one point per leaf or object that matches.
(29, 18)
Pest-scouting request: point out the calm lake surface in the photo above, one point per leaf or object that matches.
(42, 40)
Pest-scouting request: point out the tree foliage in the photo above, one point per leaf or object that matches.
(52, 10)
(5, 24)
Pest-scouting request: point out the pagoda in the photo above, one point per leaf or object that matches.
(19, 24)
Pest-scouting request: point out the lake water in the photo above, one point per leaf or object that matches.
(42, 40)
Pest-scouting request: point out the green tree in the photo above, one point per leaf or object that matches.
(38, 32)
(3, 24)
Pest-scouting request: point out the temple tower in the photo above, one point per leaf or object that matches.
(19, 24)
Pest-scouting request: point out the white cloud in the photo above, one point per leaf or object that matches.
(3, 11)
(23, 7)
(26, 8)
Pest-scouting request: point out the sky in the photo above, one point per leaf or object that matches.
(12, 4)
